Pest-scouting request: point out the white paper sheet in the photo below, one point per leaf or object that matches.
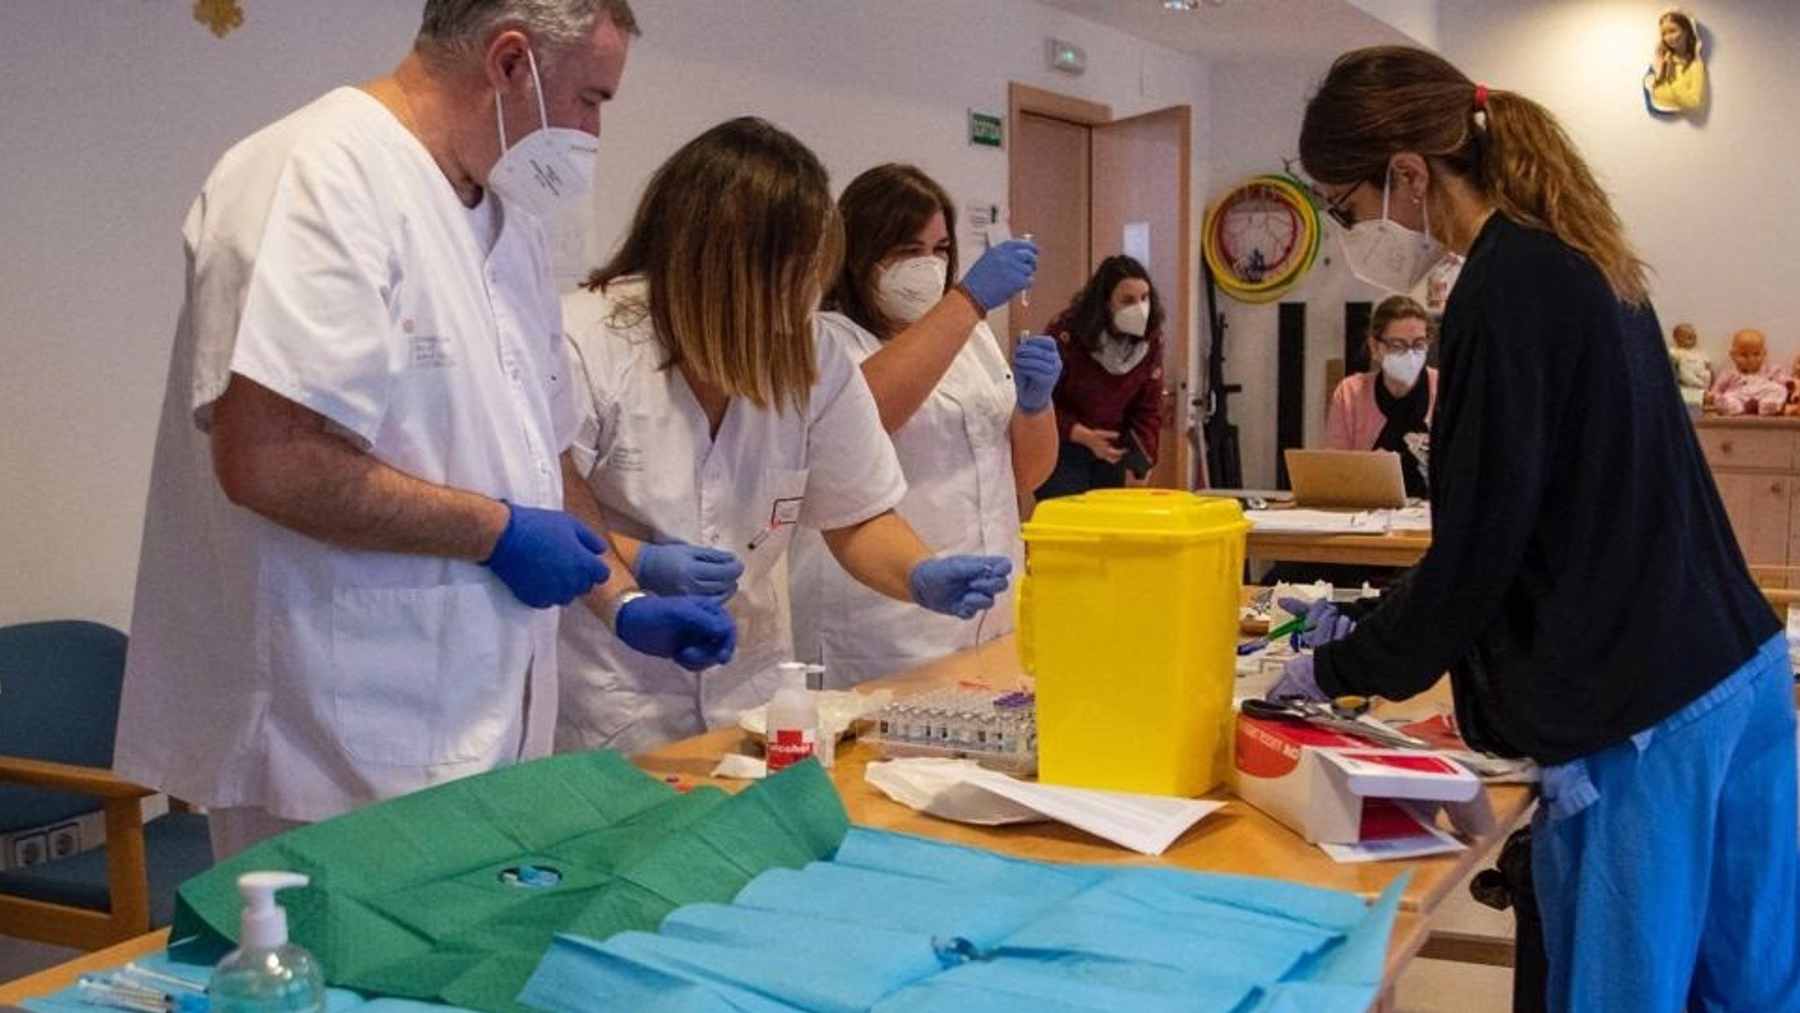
(1341, 522)
(1412, 518)
(1147, 824)
(1331, 522)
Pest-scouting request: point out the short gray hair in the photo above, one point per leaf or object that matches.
(458, 28)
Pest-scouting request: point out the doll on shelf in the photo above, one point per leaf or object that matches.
(1692, 372)
(1752, 388)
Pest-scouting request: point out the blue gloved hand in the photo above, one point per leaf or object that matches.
(1036, 365)
(1324, 620)
(1002, 272)
(546, 557)
(677, 568)
(695, 633)
(960, 586)
(1297, 680)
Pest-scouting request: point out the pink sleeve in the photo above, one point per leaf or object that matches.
(1338, 418)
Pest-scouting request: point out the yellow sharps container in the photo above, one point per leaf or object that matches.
(1128, 617)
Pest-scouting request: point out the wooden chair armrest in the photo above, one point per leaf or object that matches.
(69, 777)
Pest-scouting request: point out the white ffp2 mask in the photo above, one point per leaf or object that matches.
(551, 170)
(1389, 255)
(1403, 367)
(1133, 319)
(906, 290)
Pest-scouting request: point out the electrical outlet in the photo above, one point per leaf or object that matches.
(64, 840)
(29, 850)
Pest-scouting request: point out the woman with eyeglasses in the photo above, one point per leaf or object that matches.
(1389, 407)
(1583, 587)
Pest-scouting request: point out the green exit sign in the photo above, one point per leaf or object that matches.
(984, 129)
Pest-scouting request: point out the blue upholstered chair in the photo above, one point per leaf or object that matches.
(59, 704)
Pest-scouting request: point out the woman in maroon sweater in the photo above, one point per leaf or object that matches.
(1109, 400)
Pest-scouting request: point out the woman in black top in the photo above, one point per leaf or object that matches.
(1583, 586)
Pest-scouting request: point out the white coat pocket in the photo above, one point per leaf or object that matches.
(418, 675)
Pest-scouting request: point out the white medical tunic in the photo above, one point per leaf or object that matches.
(956, 451)
(329, 260)
(647, 453)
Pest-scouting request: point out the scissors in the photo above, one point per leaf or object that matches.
(1347, 714)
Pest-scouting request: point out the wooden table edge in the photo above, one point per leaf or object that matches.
(55, 979)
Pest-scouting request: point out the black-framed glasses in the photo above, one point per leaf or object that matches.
(1402, 347)
(1338, 210)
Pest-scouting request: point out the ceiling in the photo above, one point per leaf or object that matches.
(1240, 28)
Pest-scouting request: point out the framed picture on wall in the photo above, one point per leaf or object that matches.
(1675, 81)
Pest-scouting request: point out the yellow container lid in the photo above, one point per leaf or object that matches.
(1159, 513)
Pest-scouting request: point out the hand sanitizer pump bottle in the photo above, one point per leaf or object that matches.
(266, 972)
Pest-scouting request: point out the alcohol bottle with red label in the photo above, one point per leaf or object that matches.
(793, 723)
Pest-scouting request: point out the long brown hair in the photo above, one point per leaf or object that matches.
(1090, 315)
(1690, 45)
(735, 235)
(883, 208)
(1376, 103)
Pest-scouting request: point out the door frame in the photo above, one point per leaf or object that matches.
(1024, 98)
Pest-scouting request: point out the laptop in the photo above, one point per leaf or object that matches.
(1363, 479)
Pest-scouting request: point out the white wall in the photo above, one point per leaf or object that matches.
(1418, 19)
(114, 111)
(1257, 107)
(1709, 202)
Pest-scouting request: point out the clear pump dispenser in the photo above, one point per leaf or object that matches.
(266, 972)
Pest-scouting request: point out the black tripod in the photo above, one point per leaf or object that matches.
(1224, 464)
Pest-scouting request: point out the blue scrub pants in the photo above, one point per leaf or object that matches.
(1665, 865)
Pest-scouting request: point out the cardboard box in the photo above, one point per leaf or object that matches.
(1333, 788)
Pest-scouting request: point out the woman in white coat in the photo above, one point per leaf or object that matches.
(973, 432)
(715, 424)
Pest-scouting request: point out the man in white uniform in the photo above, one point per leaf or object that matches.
(354, 534)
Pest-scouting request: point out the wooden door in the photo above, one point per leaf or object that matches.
(1759, 510)
(1140, 185)
(1050, 194)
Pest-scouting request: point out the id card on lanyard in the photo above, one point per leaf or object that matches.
(783, 513)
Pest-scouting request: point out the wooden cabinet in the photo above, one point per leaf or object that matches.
(1756, 464)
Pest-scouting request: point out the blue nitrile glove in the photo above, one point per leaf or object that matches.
(1325, 622)
(1297, 680)
(546, 557)
(695, 633)
(677, 568)
(1036, 365)
(1002, 272)
(960, 586)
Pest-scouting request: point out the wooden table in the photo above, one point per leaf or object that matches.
(1237, 839)
(1394, 548)
(61, 976)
